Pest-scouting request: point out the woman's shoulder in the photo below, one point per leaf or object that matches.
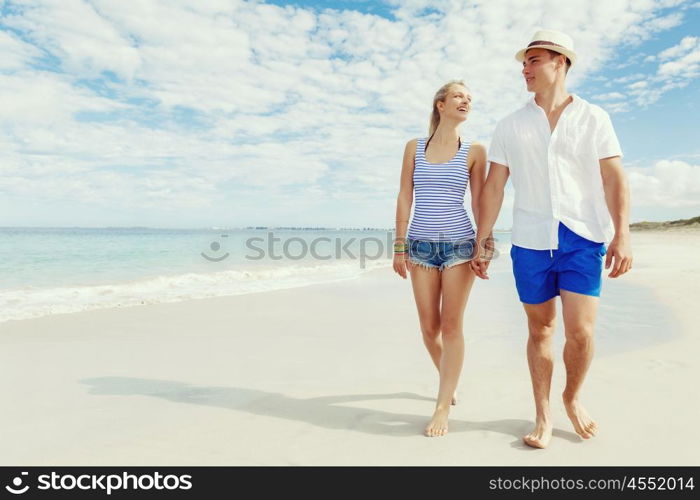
(476, 150)
(412, 144)
(477, 147)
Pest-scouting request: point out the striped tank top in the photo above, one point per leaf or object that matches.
(439, 213)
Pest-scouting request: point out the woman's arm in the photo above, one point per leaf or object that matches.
(405, 198)
(403, 203)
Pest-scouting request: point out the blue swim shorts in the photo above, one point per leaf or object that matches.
(575, 266)
(440, 254)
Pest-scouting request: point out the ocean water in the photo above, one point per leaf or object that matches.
(50, 271)
(57, 270)
(61, 270)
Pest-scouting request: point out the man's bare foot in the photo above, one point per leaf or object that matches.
(584, 425)
(438, 424)
(540, 435)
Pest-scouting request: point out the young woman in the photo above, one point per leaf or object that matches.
(441, 237)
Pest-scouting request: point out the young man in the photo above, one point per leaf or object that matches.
(571, 198)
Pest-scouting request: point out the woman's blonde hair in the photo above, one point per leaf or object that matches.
(440, 96)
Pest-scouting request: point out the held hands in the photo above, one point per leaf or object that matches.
(484, 252)
(619, 254)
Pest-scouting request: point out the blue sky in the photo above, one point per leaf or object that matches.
(235, 113)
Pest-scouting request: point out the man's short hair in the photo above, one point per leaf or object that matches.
(554, 53)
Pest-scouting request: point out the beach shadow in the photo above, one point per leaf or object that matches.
(325, 411)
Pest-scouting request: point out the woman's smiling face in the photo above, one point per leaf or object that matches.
(457, 103)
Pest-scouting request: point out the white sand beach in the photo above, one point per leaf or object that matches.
(337, 374)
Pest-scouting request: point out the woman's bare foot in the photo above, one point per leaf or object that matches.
(454, 399)
(540, 435)
(584, 425)
(438, 424)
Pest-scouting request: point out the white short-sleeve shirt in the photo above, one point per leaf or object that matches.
(556, 175)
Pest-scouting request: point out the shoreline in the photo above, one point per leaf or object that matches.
(196, 284)
(18, 304)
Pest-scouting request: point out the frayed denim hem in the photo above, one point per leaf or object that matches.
(456, 263)
(424, 265)
(444, 266)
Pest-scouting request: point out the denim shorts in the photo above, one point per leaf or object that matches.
(576, 266)
(440, 254)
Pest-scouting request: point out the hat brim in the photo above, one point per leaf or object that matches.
(520, 55)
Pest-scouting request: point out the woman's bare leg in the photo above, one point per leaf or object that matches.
(426, 290)
(456, 283)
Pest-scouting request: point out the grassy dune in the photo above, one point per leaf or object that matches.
(673, 224)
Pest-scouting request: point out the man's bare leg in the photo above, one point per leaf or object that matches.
(579, 312)
(541, 320)
(457, 282)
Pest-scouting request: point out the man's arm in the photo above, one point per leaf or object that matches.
(617, 197)
(489, 206)
(477, 175)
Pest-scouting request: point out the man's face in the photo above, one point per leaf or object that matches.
(540, 69)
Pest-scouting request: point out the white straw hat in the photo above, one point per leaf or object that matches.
(550, 40)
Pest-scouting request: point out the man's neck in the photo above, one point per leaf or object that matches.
(552, 98)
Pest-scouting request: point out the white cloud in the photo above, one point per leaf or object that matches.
(610, 96)
(638, 85)
(41, 100)
(667, 184)
(682, 61)
(678, 66)
(74, 31)
(627, 78)
(663, 23)
(686, 45)
(293, 111)
(15, 53)
(614, 102)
